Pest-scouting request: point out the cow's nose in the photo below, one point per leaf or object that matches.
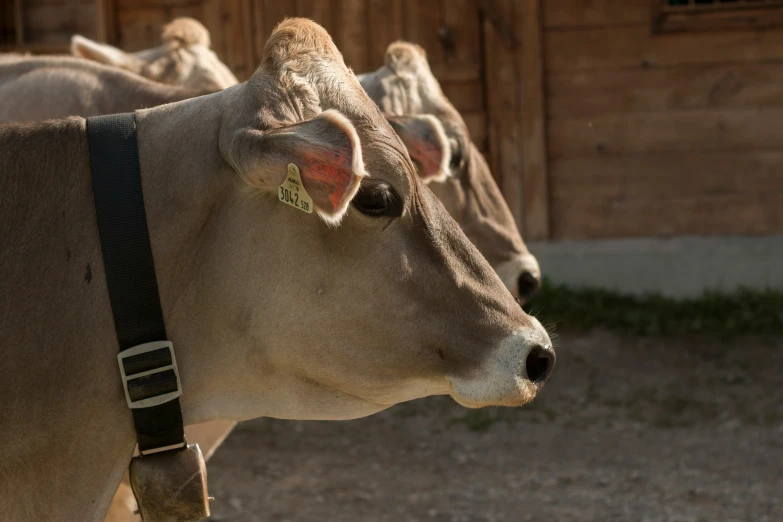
(527, 285)
(539, 364)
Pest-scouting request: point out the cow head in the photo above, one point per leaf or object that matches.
(374, 298)
(405, 89)
(183, 58)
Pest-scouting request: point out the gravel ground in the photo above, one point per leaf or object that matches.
(627, 429)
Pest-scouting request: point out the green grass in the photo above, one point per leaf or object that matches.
(742, 312)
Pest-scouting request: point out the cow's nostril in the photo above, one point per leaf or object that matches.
(527, 285)
(539, 363)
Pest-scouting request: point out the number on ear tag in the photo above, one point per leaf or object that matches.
(293, 193)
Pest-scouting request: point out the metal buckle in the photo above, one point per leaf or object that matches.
(149, 373)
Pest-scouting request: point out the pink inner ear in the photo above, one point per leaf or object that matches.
(326, 174)
(427, 154)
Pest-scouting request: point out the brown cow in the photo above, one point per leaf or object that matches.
(37, 88)
(48, 87)
(260, 299)
(183, 58)
(405, 87)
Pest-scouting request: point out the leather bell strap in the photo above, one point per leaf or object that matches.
(130, 270)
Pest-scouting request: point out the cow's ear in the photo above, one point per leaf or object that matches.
(326, 149)
(102, 53)
(427, 144)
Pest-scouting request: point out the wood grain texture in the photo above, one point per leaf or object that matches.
(503, 111)
(273, 14)
(422, 19)
(692, 130)
(636, 46)
(105, 21)
(19, 23)
(139, 28)
(531, 58)
(213, 12)
(462, 19)
(237, 55)
(663, 89)
(477, 126)
(386, 26)
(324, 12)
(465, 96)
(351, 34)
(41, 22)
(760, 18)
(725, 215)
(586, 13)
(660, 175)
(667, 194)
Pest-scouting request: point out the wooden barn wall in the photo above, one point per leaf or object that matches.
(361, 29)
(481, 68)
(486, 54)
(660, 134)
(45, 25)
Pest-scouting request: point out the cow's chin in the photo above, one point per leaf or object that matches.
(512, 391)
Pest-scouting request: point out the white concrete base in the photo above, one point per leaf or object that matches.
(676, 267)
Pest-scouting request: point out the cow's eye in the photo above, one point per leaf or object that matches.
(456, 158)
(377, 198)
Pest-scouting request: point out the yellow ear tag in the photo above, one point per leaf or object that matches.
(293, 193)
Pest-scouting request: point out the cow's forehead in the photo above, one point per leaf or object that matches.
(415, 93)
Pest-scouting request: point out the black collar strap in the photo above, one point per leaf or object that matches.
(147, 364)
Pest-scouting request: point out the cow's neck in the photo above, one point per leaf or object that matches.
(184, 181)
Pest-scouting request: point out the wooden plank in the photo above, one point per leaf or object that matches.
(7, 21)
(135, 4)
(385, 20)
(703, 129)
(465, 96)
(667, 175)
(212, 13)
(716, 192)
(252, 59)
(274, 13)
(422, 21)
(580, 13)
(636, 46)
(761, 18)
(351, 35)
(193, 11)
(503, 110)
(321, 11)
(605, 91)
(717, 215)
(45, 23)
(477, 127)
(105, 21)
(259, 36)
(463, 19)
(19, 22)
(230, 23)
(534, 151)
(139, 28)
(231, 19)
(498, 19)
(456, 73)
